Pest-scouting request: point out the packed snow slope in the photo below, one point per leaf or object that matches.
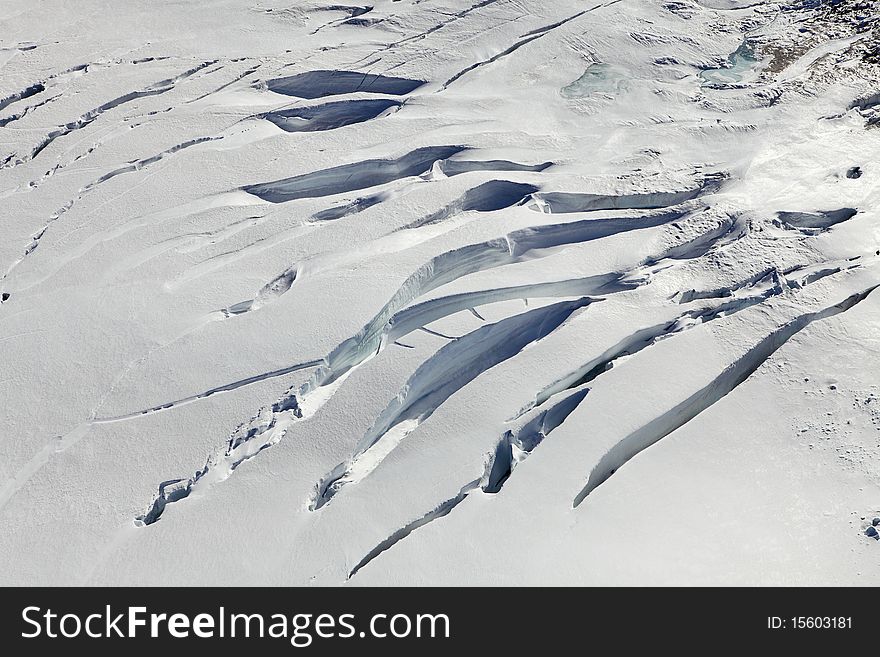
(439, 292)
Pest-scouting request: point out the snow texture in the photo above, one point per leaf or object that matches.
(440, 292)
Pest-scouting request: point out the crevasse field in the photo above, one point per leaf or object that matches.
(439, 292)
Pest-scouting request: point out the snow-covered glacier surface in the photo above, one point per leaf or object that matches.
(439, 292)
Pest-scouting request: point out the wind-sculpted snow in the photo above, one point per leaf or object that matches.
(357, 205)
(270, 424)
(565, 202)
(549, 236)
(319, 84)
(515, 447)
(525, 39)
(731, 229)
(352, 177)
(423, 275)
(418, 315)
(512, 248)
(350, 13)
(718, 388)
(488, 197)
(330, 115)
(169, 491)
(452, 265)
(92, 115)
(450, 18)
(449, 370)
(512, 449)
(137, 165)
(476, 355)
(816, 220)
(27, 92)
(457, 167)
(37, 89)
(723, 292)
(371, 173)
(752, 292)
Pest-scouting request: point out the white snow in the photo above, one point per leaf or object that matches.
(444, 292)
